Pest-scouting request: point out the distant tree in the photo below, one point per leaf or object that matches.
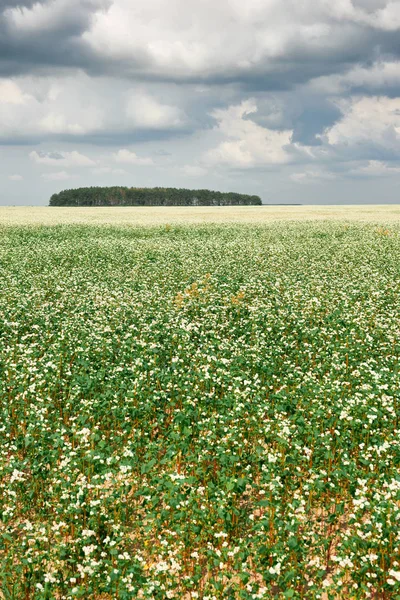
(124, 196)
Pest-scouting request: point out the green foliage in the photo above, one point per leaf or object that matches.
(123, 196)
(200, 412)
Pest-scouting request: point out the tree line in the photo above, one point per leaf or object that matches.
(124, 196)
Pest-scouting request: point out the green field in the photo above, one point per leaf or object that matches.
(200, 411)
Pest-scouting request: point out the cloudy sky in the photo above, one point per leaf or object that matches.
(297, 101)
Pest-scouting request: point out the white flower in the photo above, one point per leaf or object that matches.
(276, 569)
(88, 549)
(17, 476)
(87, 532)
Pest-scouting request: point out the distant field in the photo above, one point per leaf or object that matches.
(204, 412)
(163, 215)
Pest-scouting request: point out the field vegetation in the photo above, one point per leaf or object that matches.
(200, 411)
(186, 215)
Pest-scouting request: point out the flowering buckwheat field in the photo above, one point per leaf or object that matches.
(203, 411)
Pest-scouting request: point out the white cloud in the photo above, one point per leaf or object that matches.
(183, 38)
(247, 144)
(42, 107)
(131, 158)
(145, 112)
(58, 176)
(193, 170)
(380, 75)
(57, 123)
(11, 93)
(108, 171)
(367, 119)
(387, 17)
(78, 106)
(61, 159)
(15, 177)
(310, 176)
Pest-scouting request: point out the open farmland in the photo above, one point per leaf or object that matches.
(183, 215)
(200, 411)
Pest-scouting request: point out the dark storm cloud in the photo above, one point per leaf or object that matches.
(313, 121)
(54, 43)
(102, 138)
(370, 5)
(126, 138)
(59, 42)
(19, 4)
(364, 151)
(53, 155)
(116, 73)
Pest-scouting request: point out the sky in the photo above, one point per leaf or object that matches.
(297, 101)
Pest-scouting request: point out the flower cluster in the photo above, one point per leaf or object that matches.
(200, 412)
